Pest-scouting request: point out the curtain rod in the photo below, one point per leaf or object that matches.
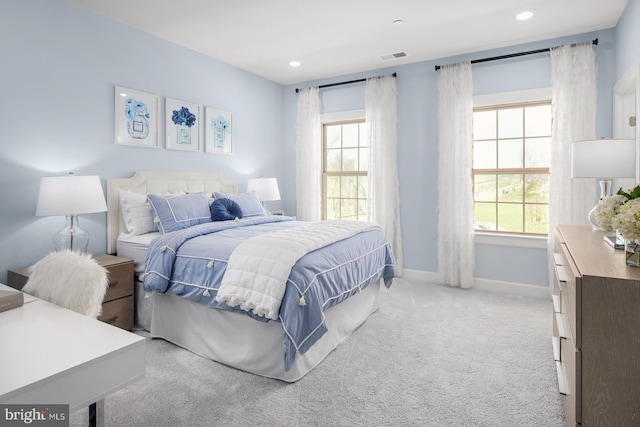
(345, 83)
(514, 55)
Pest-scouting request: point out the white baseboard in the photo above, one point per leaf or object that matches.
(484, 284)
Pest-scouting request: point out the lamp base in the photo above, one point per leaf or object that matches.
(605, 191)
(605, 188)
(264, 208)
(592, 220)
(72, 236)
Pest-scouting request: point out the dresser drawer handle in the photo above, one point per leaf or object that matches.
(562, 387)
(113, 284)
(557, 259)
(560, 322)
(555, 344)
(560, 274)
(110, 319)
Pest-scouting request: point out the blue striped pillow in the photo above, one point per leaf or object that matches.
(248, 202)
(176, 212)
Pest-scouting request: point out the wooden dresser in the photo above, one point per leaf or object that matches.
(596, 329)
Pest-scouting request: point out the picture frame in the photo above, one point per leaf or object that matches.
(218, 131)
(135, 118)
(182, 125)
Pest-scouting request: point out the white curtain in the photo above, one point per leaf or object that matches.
(383, 205)
(456, 250)
(573, 77)
(309, 156)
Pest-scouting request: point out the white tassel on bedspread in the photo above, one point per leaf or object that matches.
(258, 269)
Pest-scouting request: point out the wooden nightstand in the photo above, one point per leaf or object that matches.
(118, 303)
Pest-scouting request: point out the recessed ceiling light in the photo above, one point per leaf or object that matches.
(523, 16)
(294, 64)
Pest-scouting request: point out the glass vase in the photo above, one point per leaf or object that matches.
(632, 252)
(138, 127)
(219, 140)
(184, 134)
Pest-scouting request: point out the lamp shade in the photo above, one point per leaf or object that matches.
(266, 188)
(70, 195)
(603, 158)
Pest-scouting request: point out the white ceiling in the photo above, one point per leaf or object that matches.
(337, 37)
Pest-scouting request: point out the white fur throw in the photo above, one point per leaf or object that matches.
(69, 279)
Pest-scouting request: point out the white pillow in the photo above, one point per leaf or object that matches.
(136, 213)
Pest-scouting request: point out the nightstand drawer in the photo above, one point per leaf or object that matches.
(120, 282)
(118, 313)
(18, 277)
(119, 295)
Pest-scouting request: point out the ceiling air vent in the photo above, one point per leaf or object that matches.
(393, 56)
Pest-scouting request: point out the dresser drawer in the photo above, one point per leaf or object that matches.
(118, 312)
(569, 294)
(569, 404)
(571, 362)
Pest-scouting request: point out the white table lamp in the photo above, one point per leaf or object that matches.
(70, 196)
(266, 189)
(605, 159)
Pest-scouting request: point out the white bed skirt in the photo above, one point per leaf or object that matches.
(241, 342)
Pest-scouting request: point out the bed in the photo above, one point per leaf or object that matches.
(201, 284)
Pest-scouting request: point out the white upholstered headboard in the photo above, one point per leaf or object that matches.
(145, 182)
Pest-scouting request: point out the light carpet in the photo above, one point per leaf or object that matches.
(430, 356)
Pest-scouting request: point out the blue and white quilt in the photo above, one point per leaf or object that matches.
(192, 263)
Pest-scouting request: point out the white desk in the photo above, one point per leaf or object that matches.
(51, 355)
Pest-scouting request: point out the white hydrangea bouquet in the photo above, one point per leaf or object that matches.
(607, 209)
(621, 212)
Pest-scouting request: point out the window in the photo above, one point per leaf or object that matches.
(511, 157)
(345, 165)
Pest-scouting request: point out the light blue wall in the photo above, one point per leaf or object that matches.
(627, 37)
(59, 65)
(418, 143)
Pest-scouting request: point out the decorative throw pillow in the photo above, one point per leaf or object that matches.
(177, 212)
(225, 210)
(210, 196)
(249, 203)
(136, 213)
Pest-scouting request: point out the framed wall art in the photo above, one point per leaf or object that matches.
(218, 131)
(135, 118)
(182, 124)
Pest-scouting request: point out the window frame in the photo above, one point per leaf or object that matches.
(343, 118)
(505, 101)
